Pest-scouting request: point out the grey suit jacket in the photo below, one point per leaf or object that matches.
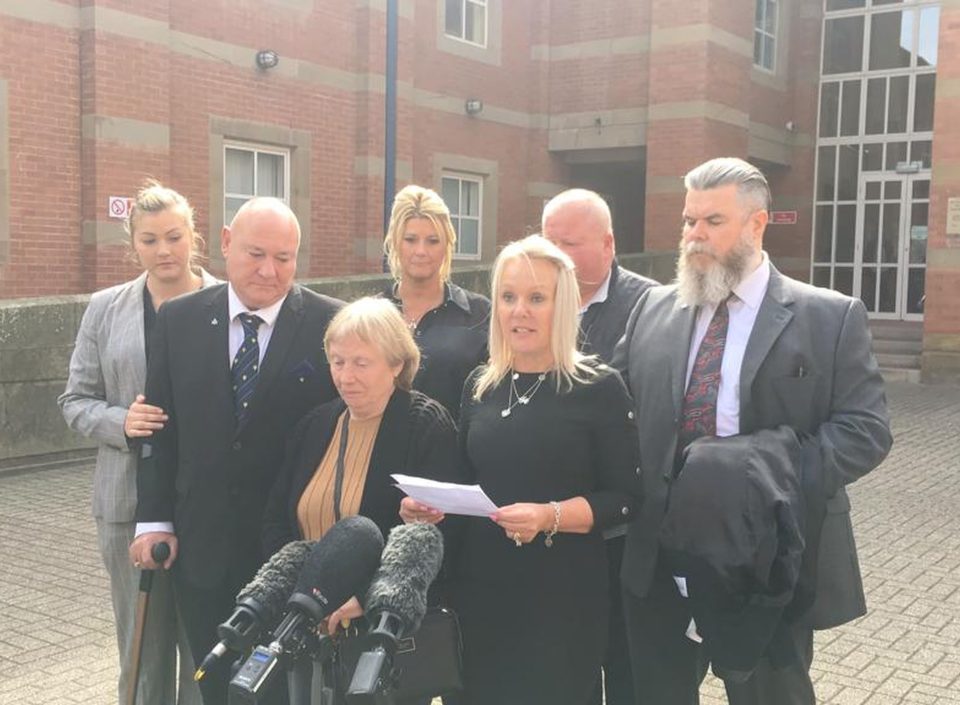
(808, 365)
(107, 371)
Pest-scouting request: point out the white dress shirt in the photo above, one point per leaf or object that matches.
(599, 296)
(268, 315)
(743, 308)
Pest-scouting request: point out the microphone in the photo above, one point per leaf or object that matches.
(260, 603)
(396, 604)
(339, 566)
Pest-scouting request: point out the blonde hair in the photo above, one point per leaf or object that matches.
(377, 322)
(569, 363)
(418, 202)
(153, 197)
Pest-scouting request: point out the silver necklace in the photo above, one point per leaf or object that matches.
(521, 398)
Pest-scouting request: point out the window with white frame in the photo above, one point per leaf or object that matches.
(463, 195)
(466, 20)
(253, 170)
(765, 34)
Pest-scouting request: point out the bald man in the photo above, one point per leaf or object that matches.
(578, 222)
(235, 367)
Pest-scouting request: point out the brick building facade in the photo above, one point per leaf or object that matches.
(622, 96)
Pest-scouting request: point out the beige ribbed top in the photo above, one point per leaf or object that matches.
(315, 509)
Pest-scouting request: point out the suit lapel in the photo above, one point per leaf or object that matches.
(285, 332)
(774, 315)
(681, 329)
(215, 336)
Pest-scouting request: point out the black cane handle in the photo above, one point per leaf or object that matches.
(160, 552)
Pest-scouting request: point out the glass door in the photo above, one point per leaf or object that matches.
(891, 245)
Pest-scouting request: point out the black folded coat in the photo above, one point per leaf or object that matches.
(734, 530)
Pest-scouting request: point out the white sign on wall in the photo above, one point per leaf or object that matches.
(119, 207)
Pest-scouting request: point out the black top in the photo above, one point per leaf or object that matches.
(149, 320)
(453, 340)
(416, 437)
(534, 618)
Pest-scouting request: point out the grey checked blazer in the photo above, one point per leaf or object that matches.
(107, 371)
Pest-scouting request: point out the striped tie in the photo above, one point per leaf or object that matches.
(699, 416)
(246, 365)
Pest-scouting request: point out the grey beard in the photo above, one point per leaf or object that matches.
(710, 287)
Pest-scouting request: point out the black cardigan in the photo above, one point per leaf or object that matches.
(416, 437)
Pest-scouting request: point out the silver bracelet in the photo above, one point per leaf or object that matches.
(548, 536)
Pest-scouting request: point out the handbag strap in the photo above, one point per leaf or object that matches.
(338, 481)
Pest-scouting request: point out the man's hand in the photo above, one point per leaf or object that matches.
(140, 549)
(143, 419)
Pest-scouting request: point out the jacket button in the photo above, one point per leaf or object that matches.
(666, 477)
(630, 415)
(638, 471)
(624, 511)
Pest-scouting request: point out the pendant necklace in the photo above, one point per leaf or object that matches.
(521, 398)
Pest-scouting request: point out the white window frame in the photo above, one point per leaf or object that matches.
(457, 217)
(760, 33)
(256, 149)
(463, 23)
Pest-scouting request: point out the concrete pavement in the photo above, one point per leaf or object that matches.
(56, 633)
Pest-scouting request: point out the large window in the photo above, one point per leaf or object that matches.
(463, 195)
(253, 170)
(466, 20)
(765, 35)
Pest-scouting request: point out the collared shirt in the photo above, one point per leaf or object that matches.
(743, 307)
(268, 315)
(600, 295)
(453, 340)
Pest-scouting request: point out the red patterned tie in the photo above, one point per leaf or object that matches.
(699, 416)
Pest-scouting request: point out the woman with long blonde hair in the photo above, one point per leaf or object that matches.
(546, 432)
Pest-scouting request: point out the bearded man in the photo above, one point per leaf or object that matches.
(735, 348)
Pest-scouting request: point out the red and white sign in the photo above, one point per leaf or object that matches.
(783, 217)
(119, 207)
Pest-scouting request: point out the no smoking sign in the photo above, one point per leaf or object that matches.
(119, 207)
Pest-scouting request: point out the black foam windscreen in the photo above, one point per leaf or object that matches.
(410, 562)
(273, 584)
(340, 565)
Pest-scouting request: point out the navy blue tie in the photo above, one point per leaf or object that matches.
(246, 365)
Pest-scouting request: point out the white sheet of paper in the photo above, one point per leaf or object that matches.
(448, 497)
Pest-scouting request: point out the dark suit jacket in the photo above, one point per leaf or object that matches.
(602, 325)
(808, 365)
(417, 437)
(202, 472)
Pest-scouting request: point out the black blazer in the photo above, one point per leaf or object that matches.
(203, 472)
(416, 437)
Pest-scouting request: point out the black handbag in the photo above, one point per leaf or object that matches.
(429, 662)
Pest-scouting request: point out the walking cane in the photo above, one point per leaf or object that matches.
(160, 552)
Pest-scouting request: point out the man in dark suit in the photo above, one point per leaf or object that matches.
(578, 222)
(235, 367)
(734, 347)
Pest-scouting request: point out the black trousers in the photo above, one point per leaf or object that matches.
(617, 680)
(668, 667)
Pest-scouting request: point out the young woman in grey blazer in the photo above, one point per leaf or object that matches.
(103, 400)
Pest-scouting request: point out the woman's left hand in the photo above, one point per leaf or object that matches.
(523, 521)
(350, 609)
(412, 511)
